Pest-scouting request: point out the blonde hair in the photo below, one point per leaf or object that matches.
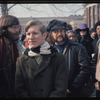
(34, 23)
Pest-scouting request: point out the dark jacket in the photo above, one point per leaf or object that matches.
(87, 43)
(49, 80)
(94, 61)
(78, 64)
(94, 42)
(8, 57)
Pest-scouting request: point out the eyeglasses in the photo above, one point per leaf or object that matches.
(14, 27)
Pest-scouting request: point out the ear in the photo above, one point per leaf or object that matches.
(44, 35)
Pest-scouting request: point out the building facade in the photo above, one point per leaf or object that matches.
(73, 20)
(91, 14)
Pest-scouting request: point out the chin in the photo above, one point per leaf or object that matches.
(33, 46)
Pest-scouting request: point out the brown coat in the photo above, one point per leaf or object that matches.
(49, 80)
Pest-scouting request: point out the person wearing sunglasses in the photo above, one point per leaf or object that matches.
(85, 39)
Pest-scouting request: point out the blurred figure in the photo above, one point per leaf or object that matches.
(23, 37)
(97, 36)
(76, 57)
(41, 72)
(95, 63)
(69, 27)
(92, 33)
(10, 48)
(85, 39)
(71, 34)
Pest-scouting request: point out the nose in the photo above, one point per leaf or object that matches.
(31, 36)
(59, 32)
(17, 29)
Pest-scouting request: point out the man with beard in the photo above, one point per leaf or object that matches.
(76, 57)
(10, 49)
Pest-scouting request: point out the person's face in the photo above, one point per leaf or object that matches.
(93, 34)
(58, 36)
(34, 36)
(71, 36)
(83, 32)
(98, 30)
(14, 32)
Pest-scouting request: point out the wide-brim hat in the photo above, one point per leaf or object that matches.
(83, 26)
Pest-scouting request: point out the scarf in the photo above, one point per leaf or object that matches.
(98, 65)
(44, 49)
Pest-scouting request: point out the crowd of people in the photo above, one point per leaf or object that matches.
(53, 61)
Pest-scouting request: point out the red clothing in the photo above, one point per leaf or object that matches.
(26, 44)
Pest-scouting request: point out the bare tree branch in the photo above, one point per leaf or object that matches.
(57, 8)
(11, 7)
(28, 7)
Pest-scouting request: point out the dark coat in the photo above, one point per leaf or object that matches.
(8, 57)
(87, 43)
(78, 64)
(94, 42)
(49, 80)
(94, 61)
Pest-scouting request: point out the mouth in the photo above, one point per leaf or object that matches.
(59, 37)
(32, 42)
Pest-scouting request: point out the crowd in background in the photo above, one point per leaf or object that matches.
(53, 61)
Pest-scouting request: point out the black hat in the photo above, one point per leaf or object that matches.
(56, 24)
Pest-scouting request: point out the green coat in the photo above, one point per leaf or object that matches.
(49, 80)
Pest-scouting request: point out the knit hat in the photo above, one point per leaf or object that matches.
(73, 31)
(56, 24)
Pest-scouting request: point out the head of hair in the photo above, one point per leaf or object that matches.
(34, 23)
(96, 24)
(92, 30)
(7, 21)
(69, 27)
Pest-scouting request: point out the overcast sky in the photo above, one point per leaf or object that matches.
(46, 10)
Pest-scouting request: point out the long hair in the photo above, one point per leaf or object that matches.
(7, 21)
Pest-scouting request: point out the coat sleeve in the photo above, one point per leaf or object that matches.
(20, 88)
(94, 63)
(84, 70)
(61, 79)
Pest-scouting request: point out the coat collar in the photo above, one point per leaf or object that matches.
(44, 63)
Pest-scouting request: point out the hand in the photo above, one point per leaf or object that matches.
(97, 86)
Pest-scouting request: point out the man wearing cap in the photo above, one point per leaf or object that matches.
(76, 57)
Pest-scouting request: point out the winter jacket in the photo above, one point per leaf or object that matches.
(48, 81)
(86, 41)
(94, 61)
(78, 64)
